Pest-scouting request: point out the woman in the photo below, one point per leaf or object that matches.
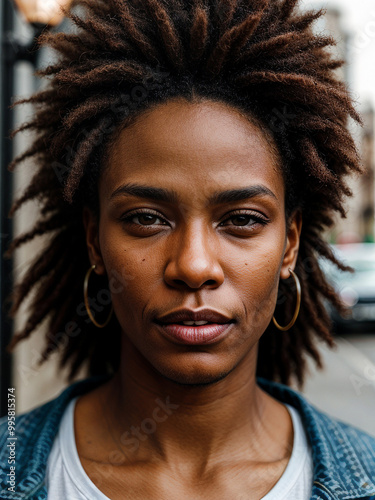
(190, 157)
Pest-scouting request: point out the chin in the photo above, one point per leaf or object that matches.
(195, 378)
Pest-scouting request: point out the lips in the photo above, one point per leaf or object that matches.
(196, 335)
(171, 326)
(180, 315)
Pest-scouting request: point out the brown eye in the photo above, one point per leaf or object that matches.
(145, 219)
(245, 220)
(241, 220)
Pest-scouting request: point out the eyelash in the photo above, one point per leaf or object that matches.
(255, 216)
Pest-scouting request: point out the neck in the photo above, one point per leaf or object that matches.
(152, 416)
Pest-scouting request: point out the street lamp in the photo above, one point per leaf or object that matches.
(41, 15)
(47, 12)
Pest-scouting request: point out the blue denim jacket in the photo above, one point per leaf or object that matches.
(343, 456)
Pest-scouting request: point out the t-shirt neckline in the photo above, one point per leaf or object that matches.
(86, 486)
(296, 461)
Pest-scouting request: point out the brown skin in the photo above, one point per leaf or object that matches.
(226, 438)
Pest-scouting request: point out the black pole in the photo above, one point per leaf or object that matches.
(6, 190)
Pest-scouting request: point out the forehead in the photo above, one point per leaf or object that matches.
(197, 145)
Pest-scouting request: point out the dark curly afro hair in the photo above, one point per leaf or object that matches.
(259, 56)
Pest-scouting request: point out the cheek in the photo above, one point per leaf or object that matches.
(132, 277)
(257, 282)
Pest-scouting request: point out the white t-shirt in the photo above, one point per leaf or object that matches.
(66, 478)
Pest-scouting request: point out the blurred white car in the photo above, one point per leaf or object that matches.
(356, 290)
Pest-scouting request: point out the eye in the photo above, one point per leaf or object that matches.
(246, 220)
(143, 217)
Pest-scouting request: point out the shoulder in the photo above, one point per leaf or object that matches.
(343, 455)
(32, 434)
(317, 421)
(43, 419)
(25, 444)
(26, 425)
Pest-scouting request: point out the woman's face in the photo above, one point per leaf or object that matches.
(192, 216)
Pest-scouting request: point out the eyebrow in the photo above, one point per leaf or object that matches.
(171, 196)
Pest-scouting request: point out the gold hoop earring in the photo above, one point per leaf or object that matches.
(298, 304)
(87, 305)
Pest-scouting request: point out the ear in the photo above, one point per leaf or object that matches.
(292, 245)
(91, 226)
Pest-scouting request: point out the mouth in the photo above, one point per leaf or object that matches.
(195, 332)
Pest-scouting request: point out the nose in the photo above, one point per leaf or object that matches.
(194, 259)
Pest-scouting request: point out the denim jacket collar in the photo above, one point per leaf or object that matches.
(343, 456)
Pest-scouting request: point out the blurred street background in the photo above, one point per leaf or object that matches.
(346, 387)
